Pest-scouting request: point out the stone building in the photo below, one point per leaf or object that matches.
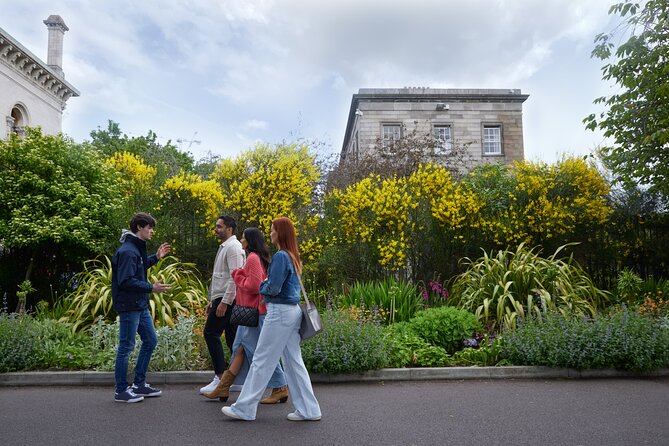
(487, 124)
(33, 93)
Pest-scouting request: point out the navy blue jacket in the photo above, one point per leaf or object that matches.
(130, 289)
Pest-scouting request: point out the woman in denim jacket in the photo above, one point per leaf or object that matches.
(279, 337)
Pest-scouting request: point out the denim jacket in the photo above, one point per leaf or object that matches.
(282, 285)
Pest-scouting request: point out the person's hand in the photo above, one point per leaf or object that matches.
(208, 309)
(160, 287)
(163, 250)
(221, 309)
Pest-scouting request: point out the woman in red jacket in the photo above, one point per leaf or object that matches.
(248, 280)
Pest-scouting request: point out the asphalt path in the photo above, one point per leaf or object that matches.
(497, 412)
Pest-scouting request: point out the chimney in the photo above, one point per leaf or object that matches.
(57, 28)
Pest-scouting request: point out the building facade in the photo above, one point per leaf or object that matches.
(487, 124)
(33, 93)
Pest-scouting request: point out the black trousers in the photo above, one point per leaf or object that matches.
(213, 329)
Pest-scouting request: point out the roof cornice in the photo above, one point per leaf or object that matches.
(16, 56)
(432, 94)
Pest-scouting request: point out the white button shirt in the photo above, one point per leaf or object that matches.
(229, 257)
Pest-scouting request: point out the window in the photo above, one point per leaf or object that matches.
(442, 136)
(391, 133)
(492, 140)
(17, 121)
(356, 145)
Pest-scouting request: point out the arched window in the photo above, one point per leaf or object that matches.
(19, 119)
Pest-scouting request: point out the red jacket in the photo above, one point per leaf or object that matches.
(248, 279)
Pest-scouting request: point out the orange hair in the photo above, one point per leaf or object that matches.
(287, 240)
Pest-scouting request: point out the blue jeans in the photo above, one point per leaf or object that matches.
(279, 339)
(247, 337)
(130, 324)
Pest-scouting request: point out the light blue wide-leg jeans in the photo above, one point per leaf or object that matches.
(247, 337)
(279, 339)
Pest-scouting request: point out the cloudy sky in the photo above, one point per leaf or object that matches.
(227, 73)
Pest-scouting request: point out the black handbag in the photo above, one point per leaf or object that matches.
(246, 316)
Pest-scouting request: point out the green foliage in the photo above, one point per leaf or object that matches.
(655, 286)
(399, 300)
(628, 288)
(410, 350)
(57, 202)
(622, 339)
(347, 345)
(445, 327)
(166, 158)
(501, 288)
(175, 349)
(62, 348)
(489, 353)
(493, 183)
(45, 311)
(637, 116)
(25, 288)
(93, 298)
(19, 343)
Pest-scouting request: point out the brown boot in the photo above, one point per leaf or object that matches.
(278, 395)
(222, 390)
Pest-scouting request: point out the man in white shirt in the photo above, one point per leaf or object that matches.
(222, 290)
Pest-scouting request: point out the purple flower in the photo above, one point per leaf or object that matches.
(471, 342)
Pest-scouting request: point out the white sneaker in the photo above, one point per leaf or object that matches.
(227, 410)
(211, 386)
(294, 416)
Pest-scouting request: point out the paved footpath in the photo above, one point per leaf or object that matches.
(592, 412)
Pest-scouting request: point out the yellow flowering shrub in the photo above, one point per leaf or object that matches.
(387, 212)
(187, 194)
(531, 203)
(554, 201)
(132, 168)
(135, 176)
(269, 182)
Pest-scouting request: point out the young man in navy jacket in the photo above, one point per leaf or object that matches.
(130, 296)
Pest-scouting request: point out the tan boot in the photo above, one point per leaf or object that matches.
(222, 390)
(278, 395)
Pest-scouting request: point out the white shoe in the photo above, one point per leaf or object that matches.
(227, 410)
(294, 416)
(211, 386)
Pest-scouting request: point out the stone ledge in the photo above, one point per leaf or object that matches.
(94, 378)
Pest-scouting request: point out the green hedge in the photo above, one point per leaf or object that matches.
(620, 339)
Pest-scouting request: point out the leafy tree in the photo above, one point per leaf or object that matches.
(167, 159)
(637, 118)
(57, 202)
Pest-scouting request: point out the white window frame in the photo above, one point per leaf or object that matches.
(444, 143)
(393, 135)
(492, 139)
